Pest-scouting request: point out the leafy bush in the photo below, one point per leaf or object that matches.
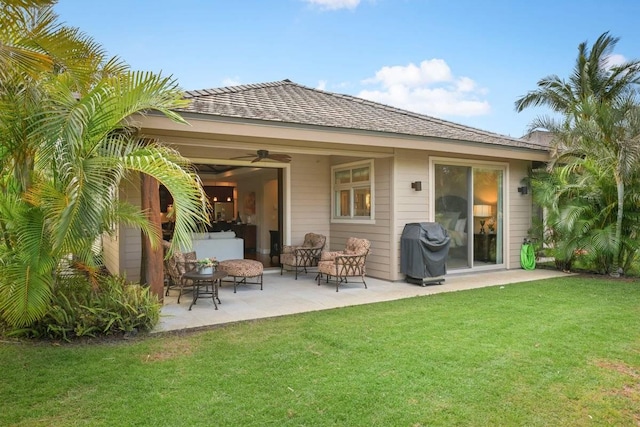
(79, 309)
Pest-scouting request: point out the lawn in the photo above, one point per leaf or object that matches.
(556, 352)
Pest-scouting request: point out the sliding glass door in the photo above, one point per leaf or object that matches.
(469, 203)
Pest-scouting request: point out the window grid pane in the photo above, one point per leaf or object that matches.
(362, 202)
(361, 174)
(343, 203)
(343, 177)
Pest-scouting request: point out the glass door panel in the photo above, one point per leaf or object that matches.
(488, 216)
(469, 204)
(452, 210)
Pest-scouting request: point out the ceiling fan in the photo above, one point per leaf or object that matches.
(264, 154)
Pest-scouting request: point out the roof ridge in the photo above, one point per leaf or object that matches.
(410, 113)
(234, 88)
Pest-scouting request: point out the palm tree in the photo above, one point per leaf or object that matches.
(598, 106)
(67, 140)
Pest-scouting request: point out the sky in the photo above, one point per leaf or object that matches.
(466, 61)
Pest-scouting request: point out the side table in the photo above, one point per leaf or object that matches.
(203, 280)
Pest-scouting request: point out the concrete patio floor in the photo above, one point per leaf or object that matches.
(284, 295)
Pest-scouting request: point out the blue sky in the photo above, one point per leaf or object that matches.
(461, 60)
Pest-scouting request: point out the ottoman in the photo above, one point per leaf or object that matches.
(241, 270)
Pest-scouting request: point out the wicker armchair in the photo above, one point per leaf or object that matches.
(300, 258)
(340, 265)
(174, 268)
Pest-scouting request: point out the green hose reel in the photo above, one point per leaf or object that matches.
(527, 255)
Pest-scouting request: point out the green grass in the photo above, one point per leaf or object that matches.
(555, 352)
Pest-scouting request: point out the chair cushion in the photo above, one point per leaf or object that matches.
(313, 240)
(178, 263)
(333, 268)
(330, 255)
(357, 246)
(289, 258)
(303, 257)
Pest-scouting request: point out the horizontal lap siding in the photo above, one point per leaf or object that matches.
(126, 261)
(411, 205)
(520, 212)
(310, 196)
(110, 251)
(378, 262)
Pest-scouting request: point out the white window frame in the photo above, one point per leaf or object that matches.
(351, 186)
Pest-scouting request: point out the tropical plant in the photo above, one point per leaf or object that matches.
(68, 137)
(79, 309)
(598, 106)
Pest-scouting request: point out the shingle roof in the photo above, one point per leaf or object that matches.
(288, 102)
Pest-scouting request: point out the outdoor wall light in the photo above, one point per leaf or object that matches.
(417, 185)
(523, 190)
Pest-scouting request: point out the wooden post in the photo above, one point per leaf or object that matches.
(152, 268)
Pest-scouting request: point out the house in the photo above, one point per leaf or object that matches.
(358, 168)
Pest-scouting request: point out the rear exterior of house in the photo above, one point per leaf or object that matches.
(357, 168)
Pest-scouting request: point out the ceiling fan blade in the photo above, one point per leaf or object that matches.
(280, 157)
(248, 156)
(264, 154)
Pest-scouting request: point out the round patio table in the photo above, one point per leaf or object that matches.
(204, 280)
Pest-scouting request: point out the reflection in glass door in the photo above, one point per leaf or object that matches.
(452, 188)
(488, 216)
(469, 204)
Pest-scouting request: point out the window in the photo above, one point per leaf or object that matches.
(352, 190)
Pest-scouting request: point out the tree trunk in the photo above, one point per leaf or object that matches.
(152, 259)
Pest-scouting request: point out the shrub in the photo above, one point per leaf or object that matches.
(79, 309)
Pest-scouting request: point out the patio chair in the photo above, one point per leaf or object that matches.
(175, 266)
(340, 265)
(301, 258)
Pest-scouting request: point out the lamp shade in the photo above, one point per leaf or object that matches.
(481, 210)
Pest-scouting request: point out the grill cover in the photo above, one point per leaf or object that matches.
(424, 247)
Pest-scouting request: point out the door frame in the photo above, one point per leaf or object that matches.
(504, 166)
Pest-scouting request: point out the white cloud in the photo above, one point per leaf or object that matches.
(430, 88)
(334, 4)
(431, 71)
(231, 81)
(322, 85)
(614, 60)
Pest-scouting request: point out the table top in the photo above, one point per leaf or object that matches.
(195, 274)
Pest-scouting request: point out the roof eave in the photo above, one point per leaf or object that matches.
(270, 129)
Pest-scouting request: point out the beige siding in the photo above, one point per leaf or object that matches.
(126, 261)
(310, 189)
(379, 261)
(410, 205)
(519, 211)
(110, 252)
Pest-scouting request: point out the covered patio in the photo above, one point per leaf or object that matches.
(283, 295)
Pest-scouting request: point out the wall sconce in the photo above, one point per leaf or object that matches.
(523, 190)
(417, 185)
